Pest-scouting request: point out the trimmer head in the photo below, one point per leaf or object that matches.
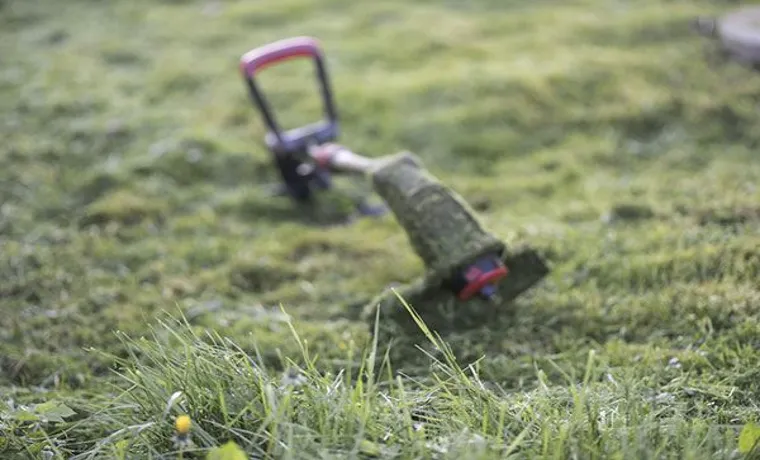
(467, 267)
(443, 312)
(499, 278)
(480, 278)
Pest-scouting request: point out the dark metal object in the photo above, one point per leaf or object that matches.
(738, 33)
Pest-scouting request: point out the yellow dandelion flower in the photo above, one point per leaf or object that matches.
(182, 439)
(182, 424)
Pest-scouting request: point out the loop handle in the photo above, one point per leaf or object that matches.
(295, 140)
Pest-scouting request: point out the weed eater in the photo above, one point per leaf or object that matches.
(468, 270)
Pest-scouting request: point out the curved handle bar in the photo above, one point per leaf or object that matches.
(297, 139)
(257, 59)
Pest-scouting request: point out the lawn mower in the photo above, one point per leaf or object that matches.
(464, 263)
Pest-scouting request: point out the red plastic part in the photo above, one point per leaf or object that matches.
(324, 154)
(282, 50)
(482, 280)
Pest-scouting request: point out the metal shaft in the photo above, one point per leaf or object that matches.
(340, 159)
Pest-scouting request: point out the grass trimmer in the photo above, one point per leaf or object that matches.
(464, 262)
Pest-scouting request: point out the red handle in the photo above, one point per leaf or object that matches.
(282, 50)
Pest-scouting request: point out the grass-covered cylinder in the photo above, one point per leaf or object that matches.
(440, 225)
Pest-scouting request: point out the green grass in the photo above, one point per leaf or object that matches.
(131, 174)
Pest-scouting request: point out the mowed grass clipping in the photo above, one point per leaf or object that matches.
(145, 272)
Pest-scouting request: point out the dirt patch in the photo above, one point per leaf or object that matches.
(260, 275)
(628, 212)
(728, 217)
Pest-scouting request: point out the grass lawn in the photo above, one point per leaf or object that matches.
(145, 273)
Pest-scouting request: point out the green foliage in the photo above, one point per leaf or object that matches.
(748, 438)
(229, 451)
(132, 183)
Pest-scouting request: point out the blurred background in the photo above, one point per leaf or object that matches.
(607, 133)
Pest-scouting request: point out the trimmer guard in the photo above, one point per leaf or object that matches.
(441, 311)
